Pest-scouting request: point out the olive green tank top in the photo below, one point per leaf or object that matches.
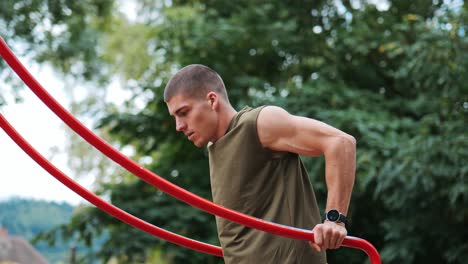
(251, 179)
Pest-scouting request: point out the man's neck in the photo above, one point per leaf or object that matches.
(226, 116)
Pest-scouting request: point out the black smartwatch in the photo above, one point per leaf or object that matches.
(335, 216)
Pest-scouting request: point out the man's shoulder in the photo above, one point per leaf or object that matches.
(249, 111)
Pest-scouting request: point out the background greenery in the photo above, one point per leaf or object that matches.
(392, 74)
(27, 218)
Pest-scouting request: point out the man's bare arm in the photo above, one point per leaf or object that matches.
(280, 131)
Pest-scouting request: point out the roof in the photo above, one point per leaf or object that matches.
(15, 249)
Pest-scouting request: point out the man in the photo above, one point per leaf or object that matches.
(255, 169)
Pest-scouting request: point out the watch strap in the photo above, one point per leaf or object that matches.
(340, 219)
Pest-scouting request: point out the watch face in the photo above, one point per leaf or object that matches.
(333, 215)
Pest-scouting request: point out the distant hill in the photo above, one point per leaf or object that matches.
(27, 217)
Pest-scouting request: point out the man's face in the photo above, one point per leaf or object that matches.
(196, 118)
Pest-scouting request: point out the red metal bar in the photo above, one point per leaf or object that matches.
(100, 203)
(161, 183)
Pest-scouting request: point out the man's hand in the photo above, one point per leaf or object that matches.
(328, 235)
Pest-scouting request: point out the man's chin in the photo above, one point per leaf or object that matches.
(198, 144)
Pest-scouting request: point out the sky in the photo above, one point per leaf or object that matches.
(20, 176)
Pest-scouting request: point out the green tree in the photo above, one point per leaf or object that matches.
(391, 74)
(59, 32)
(27, 218)
(392, 77)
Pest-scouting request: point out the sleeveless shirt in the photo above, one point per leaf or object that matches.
(251, 179)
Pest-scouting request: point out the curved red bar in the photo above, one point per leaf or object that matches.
(161, 183)
(100, 203)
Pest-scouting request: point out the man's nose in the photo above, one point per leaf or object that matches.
(180, 125)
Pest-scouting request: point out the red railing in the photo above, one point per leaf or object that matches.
(161, 183)
(100, 203)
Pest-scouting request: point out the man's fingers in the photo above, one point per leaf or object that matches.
(333, 238)
(315, 246)
(318, 237)
(327, 236)
(341, 237)
(336, 236)
(340, 240)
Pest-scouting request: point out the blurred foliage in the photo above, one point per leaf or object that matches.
(391, 74)
(27, 218)
(62, 33)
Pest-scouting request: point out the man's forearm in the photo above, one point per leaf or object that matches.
(340, 167)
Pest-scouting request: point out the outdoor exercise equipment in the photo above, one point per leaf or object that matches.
(99, 202)
(148, 177)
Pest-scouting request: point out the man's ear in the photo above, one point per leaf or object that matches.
(212, 98)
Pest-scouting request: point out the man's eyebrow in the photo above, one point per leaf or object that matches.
(177, 112)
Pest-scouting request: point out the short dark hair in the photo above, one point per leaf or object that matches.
(195, 81)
